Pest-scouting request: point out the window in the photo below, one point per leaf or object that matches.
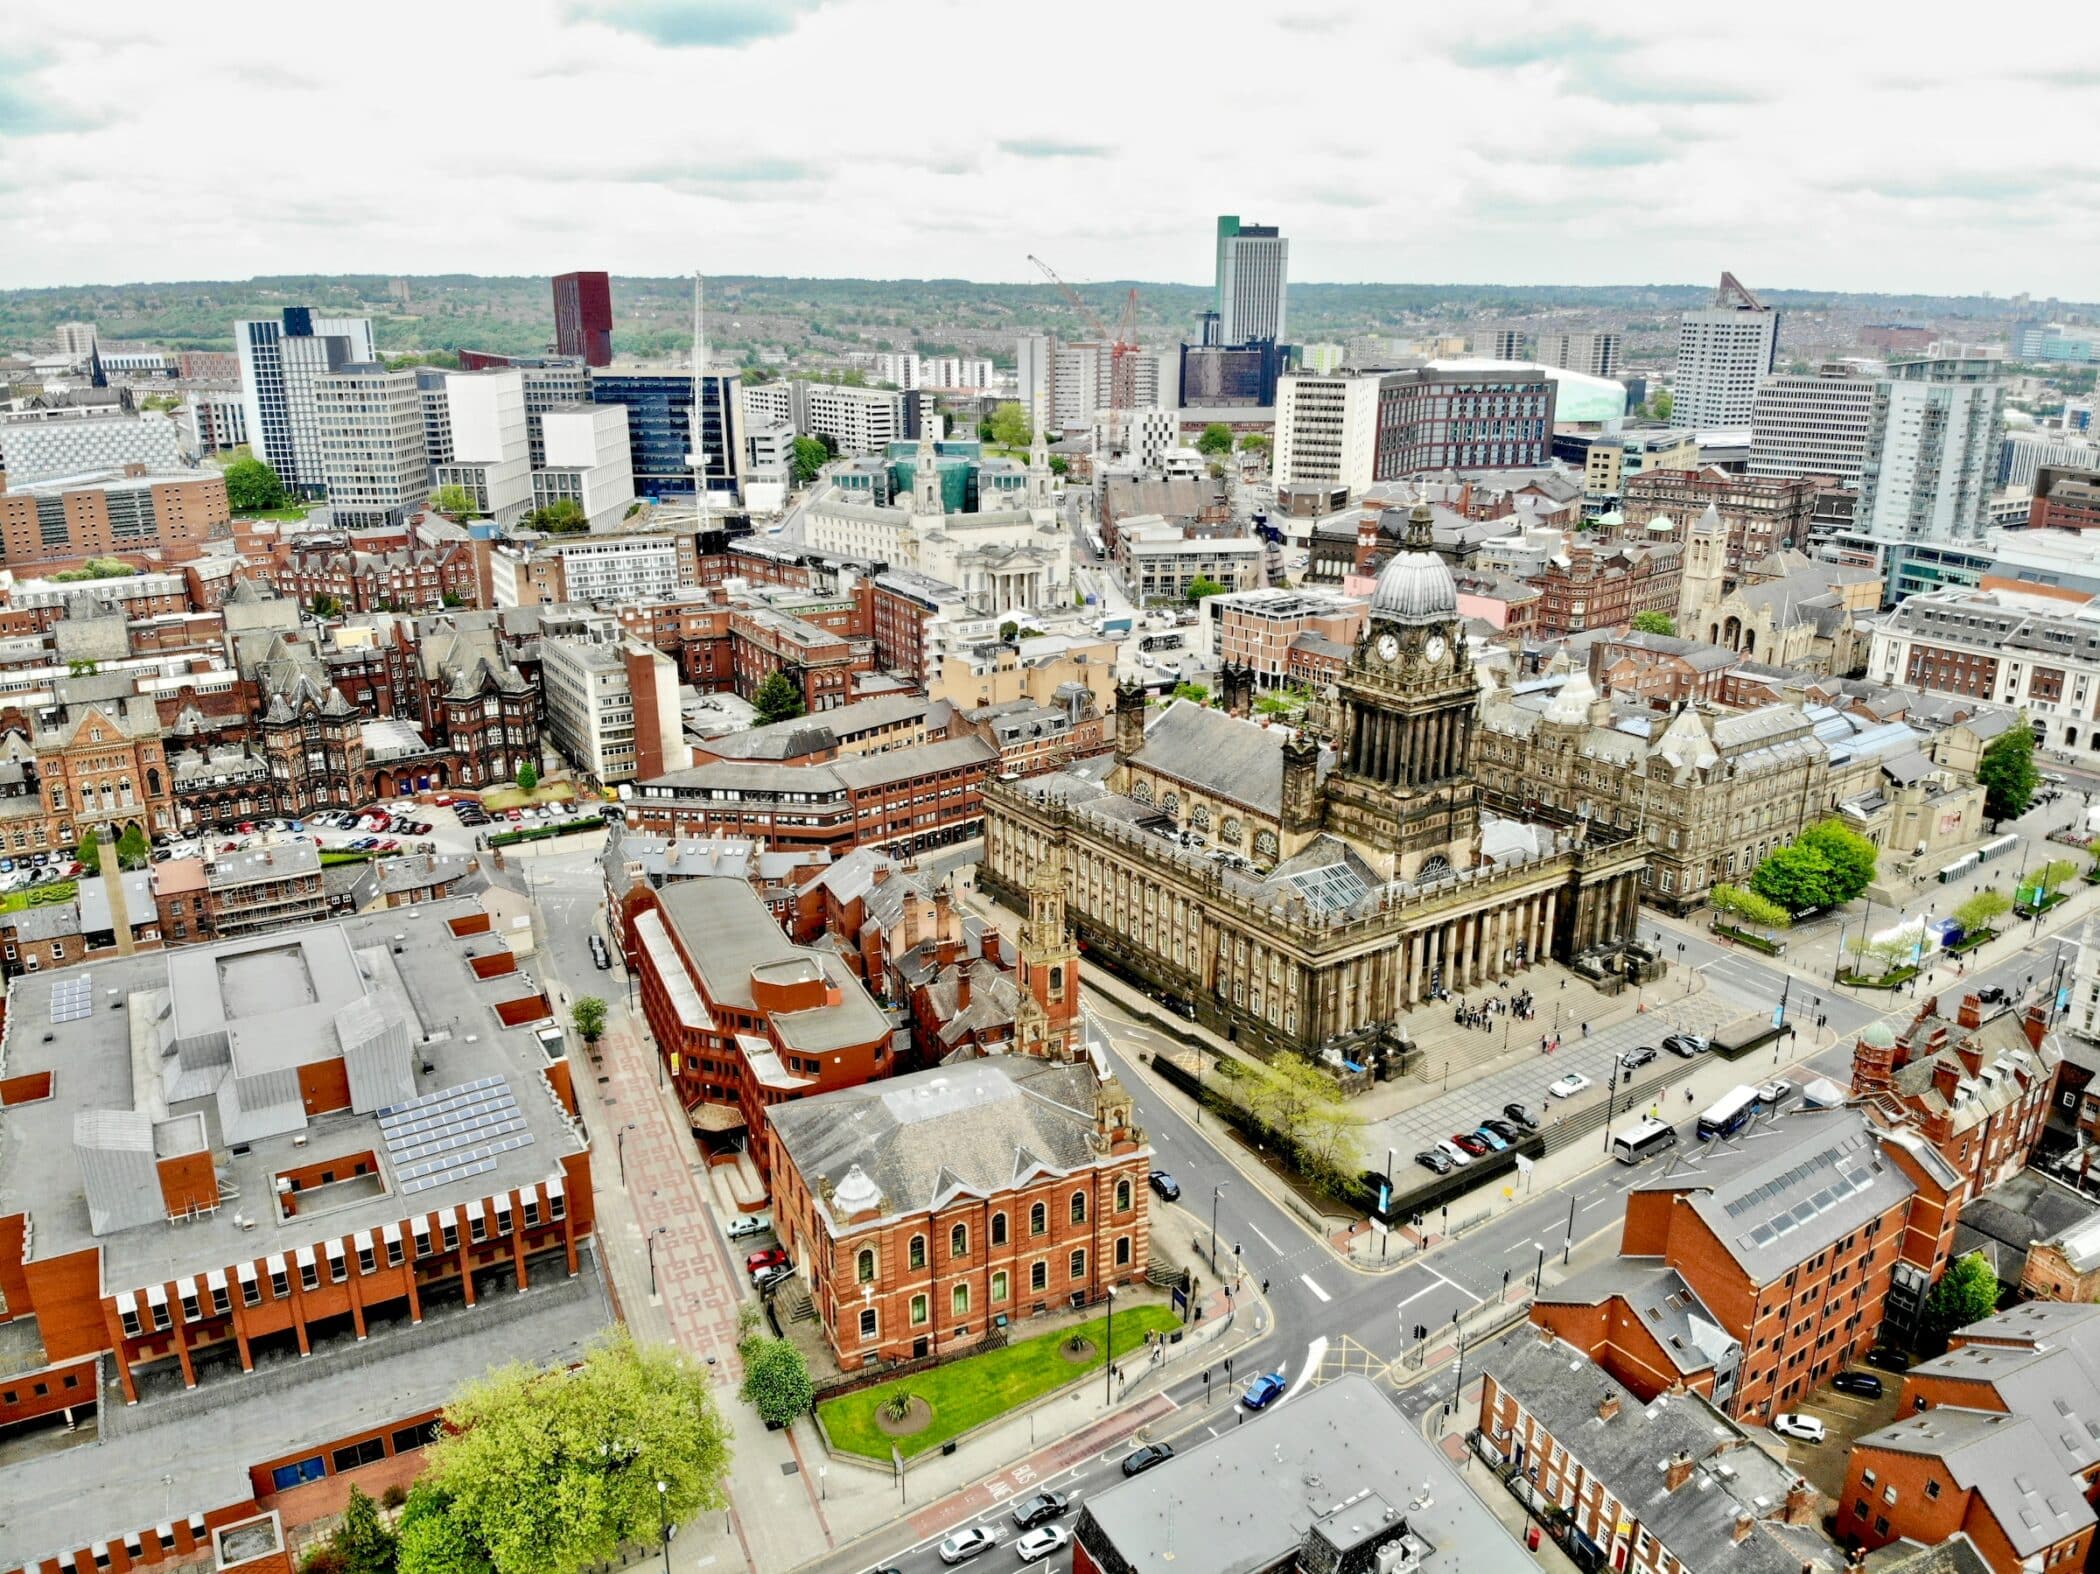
(1079, 1263)
(221, 1303)
(251, 1291)
(1932, 1489)
(355, 1454)
(1079, 1207)
(918, 1311)
(1039, 1276)
(393, 1250)
(280, 1281)
(959, 1241)
(477, 1227)
(449, 1231)
(1123, 1196)
(1038, 1220)
(1122, 1251)
(190, 1309)
(338, 1268)
(309, 1273)
(916, 1255)
(959, 1301)
(367, 1261)
(867, 1322)
(411, 1438)
(531, 1210)
(998, 1229)
(129, 1316)
(999, 1286)
(558, 1206)
(864, 1267)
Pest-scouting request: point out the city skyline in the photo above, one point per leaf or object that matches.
(1645, 156)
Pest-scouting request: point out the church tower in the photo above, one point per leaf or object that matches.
(1704, 583)
(1039, 472)
(926, 478)
(1047, 1023)
(1406, 706)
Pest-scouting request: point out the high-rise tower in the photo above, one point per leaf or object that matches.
(1253, 270)
(1723, 353)
(583, 316)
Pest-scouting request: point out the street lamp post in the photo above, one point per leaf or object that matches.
(1214, 1223)
(1611, 1098)
(1385, 1201)
(1108, 1362)
(1538, 1278)
(663, 1513)
(620, 1149)
(661, 1229)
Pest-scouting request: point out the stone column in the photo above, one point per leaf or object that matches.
(1546, 924)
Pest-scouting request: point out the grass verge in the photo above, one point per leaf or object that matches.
(38, 896)
(981, 1388)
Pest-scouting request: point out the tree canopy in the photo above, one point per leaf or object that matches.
(1967, 1293)
(1748, 906)
(1977, 913)
(253, 486)
(548, 1470)
(1203, 585)
(528, 776)
(1798, 878)
(561, 517)
(778, 699)
(1216, 440)
(1654, 623)
(806, 458)
(1851, 856)
(1010, 426)
(2007, 771)
(455, 502)
(588, 1016)
(776, 1379)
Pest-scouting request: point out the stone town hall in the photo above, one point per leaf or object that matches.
(1294, 891)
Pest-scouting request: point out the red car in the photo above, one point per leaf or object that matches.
(1471, 1143)
(772, 1257)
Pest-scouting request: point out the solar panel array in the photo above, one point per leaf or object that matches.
(1331, 888)
(452, 1133)
(1849, 1180)
(72, 999)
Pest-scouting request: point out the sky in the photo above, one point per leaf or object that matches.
(1852, 146)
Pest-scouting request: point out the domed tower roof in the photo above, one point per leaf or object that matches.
(1876, 1035)
(1415, 587)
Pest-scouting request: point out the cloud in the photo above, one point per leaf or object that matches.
(1341, 197)
(696, 24)
(1596, 65)
(1616, 155)
(25, 111)
(1051, 147)
(2064, 76)
(1564, 47)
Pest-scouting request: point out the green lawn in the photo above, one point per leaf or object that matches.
(273, 513)
(56, 891)
(968, 1393)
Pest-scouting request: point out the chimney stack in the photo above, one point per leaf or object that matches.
(1677, 1472)
(1970, 1013)
(1608, 1406)
(1744, 1522)
(1801, 1503)
(2035, 1024)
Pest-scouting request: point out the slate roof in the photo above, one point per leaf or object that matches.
(2006, 1460)
(1691, 1336)
(1220, 754)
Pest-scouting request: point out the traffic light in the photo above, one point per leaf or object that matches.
(1421, 1331)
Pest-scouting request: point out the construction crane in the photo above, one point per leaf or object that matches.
(1123, 349)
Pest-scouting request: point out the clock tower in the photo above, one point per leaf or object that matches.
(1407, 702)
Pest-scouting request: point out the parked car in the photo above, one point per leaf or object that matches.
(771, 1277)
(745, 1225)
(1991, 995)
(1687, 1044)
(1039, 1544)
(1807, 1428)
(1454, 1155)
(966, 1544)
(1570, 1085)
(600, 955)
(1503, 1129)
(1638, 1057)
(1040, 1508)
(1145, 1458)
(1472, 1144)
(1165, 1186)
(1521, 1114)
(1264, 1391)
(1865, 1384)
(766, 1257)
(1888, 1360)
(1492, 1138)
(1433, 1161)
(1774, 1093)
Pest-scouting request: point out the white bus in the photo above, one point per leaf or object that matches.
(1646, 1140)
(1729, 1114)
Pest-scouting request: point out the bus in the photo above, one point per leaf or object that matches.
(1646, 1140)
(1729, 1114)
(1160, 642)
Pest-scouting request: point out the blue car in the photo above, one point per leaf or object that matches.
(1491, 1139)
(1263, 1391)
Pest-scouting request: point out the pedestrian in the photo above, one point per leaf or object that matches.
(1265, 1287)
(1585, 1030)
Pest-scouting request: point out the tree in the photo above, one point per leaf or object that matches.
(1203, 585)
(776, 1380)
(1654, 623)
(2008, 774)
(588, 1018)
(327, 606)
(1009, 631)
(253, 487)
(1979, 912)
(1749, 907)
(778, 699)
(362, 1543)
(561, 517)
(2045, 880)
(89, 853)
(1798, 878)
(806, 457)
(551, 1469)
(1661, 405)
(133, 849)
(1216, 440)
(1967, 1293)
(1195, 692)
(1851, 856)
(1010, 426)
(1255, 443)
(1060, 465)
(528, 776)
(455, 502)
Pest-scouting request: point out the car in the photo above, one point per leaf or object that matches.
(966, 1544)
(1991, 995)
(1476, 1146)
(1040, 1508)
(765, 1257)
(1865, 1384)
(1570, 1085)
(601, 957)
(1776, 1092)
(1888, 1360)
(1503, 1129)
(772, 1276)
(1165, 1186)
(1637, 1057)
(749, 1224)
(1687, 1044)
(1806, 1428)
(1433, 1161)
(1454, 1155)
(1038, 1544)
(1136, 1464)
(1492, 1138)
(1521, 1115)
(1264, 1391)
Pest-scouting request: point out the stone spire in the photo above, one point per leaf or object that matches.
(926, 477)
(1421, 532)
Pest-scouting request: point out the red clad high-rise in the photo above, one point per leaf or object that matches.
(583, 317)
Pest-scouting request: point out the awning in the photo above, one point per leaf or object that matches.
(245, 1272)
(390, 1233)
(554, 1186)
(362, 1240)
(305, 1256)
(156, 1295)
(215, 1279)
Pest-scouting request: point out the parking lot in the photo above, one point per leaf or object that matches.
(1844, 1417)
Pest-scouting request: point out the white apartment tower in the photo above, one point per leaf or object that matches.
(1326, 430)
(587, 461)
(1814, 424)
(1595, 354)
(281, 361)
(1931, 452)
(1723, 352)
(1032, 369)
(1253, 274)
(491, 450)
(369, 434)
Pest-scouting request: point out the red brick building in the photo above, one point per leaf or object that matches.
(1661, 670)
(1606, 586)
(923, 1212)
(1763, 513)
(2065, 499)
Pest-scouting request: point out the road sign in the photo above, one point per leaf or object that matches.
(1523, 1165)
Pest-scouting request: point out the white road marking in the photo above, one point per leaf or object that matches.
(1585, 1208)
(1461, 1289)
(1314, 1353)
(1417, 1295)
(1263, 1238)
(1307, 1280)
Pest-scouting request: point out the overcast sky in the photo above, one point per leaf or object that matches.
(1856, 145)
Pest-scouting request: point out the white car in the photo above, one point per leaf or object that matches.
(1042, 1541)
(1570, 1085)
(1775, 1093)
(966, 1544)
(1807, 1428)
(1452, 1151)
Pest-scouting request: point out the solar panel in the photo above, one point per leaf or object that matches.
(72, 999)
(439, 1137)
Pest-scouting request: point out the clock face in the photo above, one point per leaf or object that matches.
(1435, 648)
(1388, 647)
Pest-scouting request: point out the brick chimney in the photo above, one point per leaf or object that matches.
(1946, 1077)
(1970, 1056)
(1971, 1013)
(1677, 1472)
(2035, 1024)
(1801, 1504)
(962, 990)
(1745, 1521)
(1608, 1406)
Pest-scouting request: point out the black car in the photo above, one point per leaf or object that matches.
(1522, 1116)
(1888, 1360)
(1165, 1185)
(1865, 1384)
(1040, 1509)
(1506, 1130)
(1638, 1057)
(1685, 1044)
(1374, 1181)
(1991, 995)
(1145, 1458)
(1433, 1161)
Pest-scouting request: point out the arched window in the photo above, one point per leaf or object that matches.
(1230, 830)
(1122, 1251)
(864, 1267)
(1079, 1264)
(1265, 844)
(1057, 982)
(918, 1311)
(917, 1256)
(998, 1229)
(959, 1300)
(1171, 803)
(1038, 1220)
(959, 1241)
(1123, 1196)
(1141, 792)
(1079, 1207)
(1199, 817)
